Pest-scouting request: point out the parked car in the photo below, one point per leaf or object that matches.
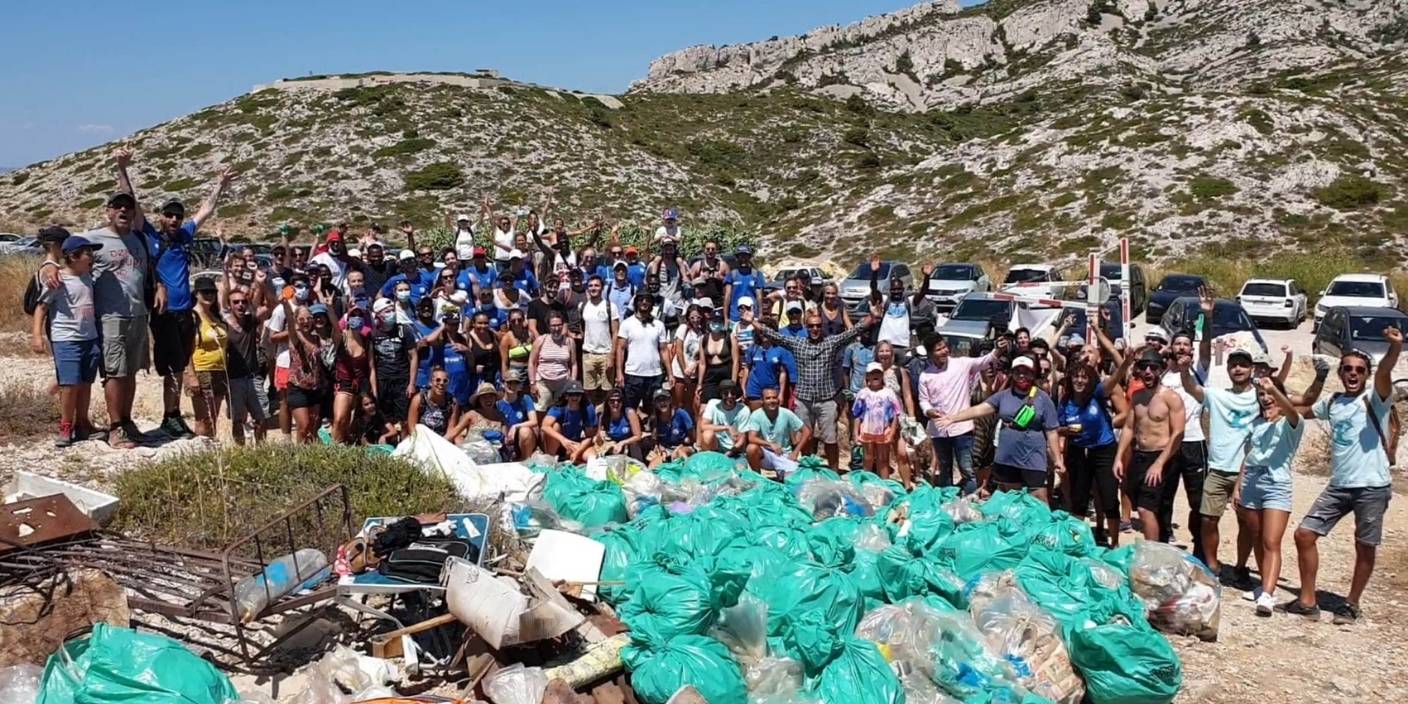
(855, 289)
(206, 253)
(9, 237)
(1360, 328)
(24, 246)
(1356, 290)
(984, 307)
(950, 282)
(1279, 300)
(1031, 280)
(1228, 316)
(1138, 288)
(1172, 286)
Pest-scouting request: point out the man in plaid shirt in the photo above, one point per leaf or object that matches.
(816, 366)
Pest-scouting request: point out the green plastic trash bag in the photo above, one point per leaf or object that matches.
(1065, 534)
(117, 664)
(865, 570)
(709, 467)
(1019, 506)
(808, 587)
(658, 670)
(974, 548)
(858, 675)
(623, 548)
(703, 531)
(832, 541)
(903, 575)
(1126, 664)
(589, 502)
(668, 598)
(927, 529)
(672, 471)
(809, 468)
(812, 641)
(878, 491)
(1065, 587)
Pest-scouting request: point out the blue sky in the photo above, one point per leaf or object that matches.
(80, 73)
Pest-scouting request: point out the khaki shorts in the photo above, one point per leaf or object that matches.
(125, 346)
(546, 393)
(596, 371)
(820, 416)
(1217, 492)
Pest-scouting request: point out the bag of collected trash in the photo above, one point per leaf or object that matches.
(624, 547)
(1019, 506)
(617, 469)
(642, 491)
(1027, 637)
(858, 674)
(808, 587)
(926, 529)
(577, 497)
(668, 598)
(809, 468)
(346, 670)
(944, 646)
(964, 510)
(532, 517)
(903, 575)
(1065, 587)
(121, 665)
(480, 449)
(1182, 596)
(826, 498)
(973, 548)
(703, 531)
(19, 684)
(516, 684)
(878, 491)
(1125, 664)
(1065, 534)
(709, 467)
(832, 541)
(658, 670)
(865, 570)
(285, 575)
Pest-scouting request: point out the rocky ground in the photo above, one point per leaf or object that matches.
(1278, 659)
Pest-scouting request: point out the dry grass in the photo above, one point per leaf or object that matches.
(27, 412)
(14, 277)
(996, 269)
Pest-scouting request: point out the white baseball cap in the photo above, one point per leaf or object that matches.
(406, 254)
(794, 305)
(382, 304)
(1261, 357)
(874, 367)
(1156, 334)
(515, 254)
(354, 253)
(745, 301)
(704, 302)
(1024, 362)
(460, 217)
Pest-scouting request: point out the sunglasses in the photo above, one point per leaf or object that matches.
(1353, 369)
(1148, 365)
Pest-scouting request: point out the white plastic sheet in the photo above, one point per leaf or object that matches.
(511, 480)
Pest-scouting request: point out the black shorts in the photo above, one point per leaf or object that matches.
(1030, 478)
(305, 398)
(173, 341)
(1142, 495)
(391, 398)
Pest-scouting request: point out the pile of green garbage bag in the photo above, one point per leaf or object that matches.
(114, 664)
(860, 591)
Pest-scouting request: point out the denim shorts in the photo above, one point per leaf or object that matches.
(1260, 491)
(77, 362)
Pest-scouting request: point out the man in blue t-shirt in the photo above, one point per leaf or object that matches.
(173, 322)
(769, 367)
(1362, 444)
(743, 281)
(479, 275)
(419, 280)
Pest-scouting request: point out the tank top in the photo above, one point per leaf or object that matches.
(486, 358)
(554, 359)
(710, 284)
(305, 369)
(691, 341)
(349, 370)
(719, 352)
(832, 325)
(892, 382)
(209, 355)
(436, 417)
(669, 275)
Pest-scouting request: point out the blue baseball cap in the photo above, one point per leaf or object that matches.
(743, 249)
(318, 309)
(76, 242)
(672, 214)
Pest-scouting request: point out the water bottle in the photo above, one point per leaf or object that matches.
(285, 575)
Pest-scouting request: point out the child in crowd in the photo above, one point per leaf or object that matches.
(67, 313)
(877, 413)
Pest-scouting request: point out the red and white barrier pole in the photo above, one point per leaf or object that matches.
(1092, 306)
(1125, 284)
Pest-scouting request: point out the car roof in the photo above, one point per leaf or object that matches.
(986, 295)
(1216, 301)
(1266, 281)
(1033, 267)
(1380, 311)
(1375, 278)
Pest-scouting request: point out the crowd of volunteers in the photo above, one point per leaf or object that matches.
(533, 338)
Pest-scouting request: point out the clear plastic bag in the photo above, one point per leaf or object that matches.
(964, 510)
(872, 538)
(516, 684)
(1029, 638)
(1107, 576)
(826, 498)
(531, 518)
(744, 629)
(1180, 595)
(19, 684)
(642, 491)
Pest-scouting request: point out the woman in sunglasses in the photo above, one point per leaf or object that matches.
(569, 428)
(621, 426)
(1029, 425)
(434, 407)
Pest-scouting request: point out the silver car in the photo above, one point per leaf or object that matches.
(1360, 328)
(950, 282)
(855, 289)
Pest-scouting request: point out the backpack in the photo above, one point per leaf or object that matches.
(1395, 427)
(32, 293)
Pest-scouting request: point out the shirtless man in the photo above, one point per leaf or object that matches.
(1155, 430)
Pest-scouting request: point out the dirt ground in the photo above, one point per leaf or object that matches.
(1283, 659)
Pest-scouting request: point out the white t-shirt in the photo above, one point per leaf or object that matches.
(1192, 408)
(894, 327)
(690, 341)
(503, 244)
(643, 343)
(464, 244)
(596, 326)
(277, 323)
(335, 267)
(663, 232)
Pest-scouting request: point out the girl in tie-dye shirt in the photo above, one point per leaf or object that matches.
(877, 413)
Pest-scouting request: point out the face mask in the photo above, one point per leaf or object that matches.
(388, 321)
(355, 323)
(300, 292)
(279, 282)
(354, 290)
(403, 296)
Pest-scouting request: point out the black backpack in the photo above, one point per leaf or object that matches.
(32, 294)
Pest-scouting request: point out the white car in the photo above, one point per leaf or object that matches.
(1281, 300)
(1356, 290)
(1031, 280)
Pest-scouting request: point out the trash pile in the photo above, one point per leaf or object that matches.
(698, 581)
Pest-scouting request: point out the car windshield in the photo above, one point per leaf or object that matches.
(959, 345)
(981, 309)
(863, 270)
(1226, 318)
(950, 272)
(1356, 289)
(1370, 328)
(1017, 276)
(1111, 271)
(1264, 289)
(1180, 283)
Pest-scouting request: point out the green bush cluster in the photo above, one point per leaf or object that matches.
(440, 176)
(1351, 191)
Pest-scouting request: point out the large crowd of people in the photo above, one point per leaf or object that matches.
(536, 339)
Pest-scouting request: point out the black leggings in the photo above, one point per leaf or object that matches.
(1092, 468)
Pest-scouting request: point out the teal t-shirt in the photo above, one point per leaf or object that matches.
(738, 419)
(1357, 455)
(1230, 417)
(1273, 446)
(778, 431)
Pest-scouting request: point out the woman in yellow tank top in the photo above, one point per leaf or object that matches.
(206, 379)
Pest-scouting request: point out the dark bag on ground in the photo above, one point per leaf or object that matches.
(422, 561)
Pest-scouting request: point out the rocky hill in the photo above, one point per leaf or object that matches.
(1020, 128)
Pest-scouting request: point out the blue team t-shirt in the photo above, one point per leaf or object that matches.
(635, 273)
(1230, 416)
(420, 285)
(574, 423)
(677, 432)
(471, 278)
(1097, 429)
(516, 411)
(173, 264)
(1357, 456)
(743, 285)
(764, 369)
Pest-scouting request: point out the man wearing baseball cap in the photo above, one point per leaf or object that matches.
(669, 226)
(336, 259)
(743, 281)
(478, 274)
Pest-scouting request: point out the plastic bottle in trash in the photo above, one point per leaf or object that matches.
(286, 575)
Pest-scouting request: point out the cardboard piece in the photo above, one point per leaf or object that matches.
(562, 556)
(496, 609)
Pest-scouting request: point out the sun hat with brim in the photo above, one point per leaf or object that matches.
(484, 388)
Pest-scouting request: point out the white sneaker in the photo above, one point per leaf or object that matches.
(1265, 604)
(1252, 595)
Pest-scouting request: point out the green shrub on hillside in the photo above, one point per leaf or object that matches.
(1351, 191)
(440, 176)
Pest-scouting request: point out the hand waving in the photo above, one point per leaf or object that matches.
(1205, 300)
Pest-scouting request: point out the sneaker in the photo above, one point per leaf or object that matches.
(119, 440)
(66, 435)
(134, 433)
(1265, 604)
(1253, 595)
(1294, 607)
(1126, 526)
(175, 427)
(1346, 614)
